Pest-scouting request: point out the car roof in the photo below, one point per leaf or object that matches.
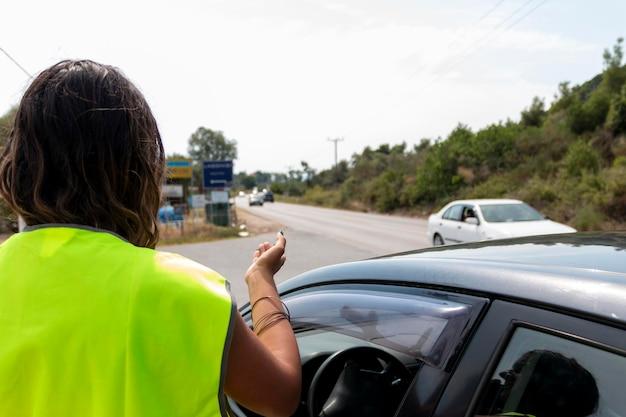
(581, 272)
(486, 201)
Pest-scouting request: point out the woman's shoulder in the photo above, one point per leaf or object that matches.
(180, 275)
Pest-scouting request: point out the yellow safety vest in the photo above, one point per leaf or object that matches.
(92, 326)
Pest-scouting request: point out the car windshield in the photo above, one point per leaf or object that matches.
(500, 213)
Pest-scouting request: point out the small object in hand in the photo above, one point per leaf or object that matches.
(281, 232)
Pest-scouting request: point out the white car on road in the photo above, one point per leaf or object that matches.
(475, 220)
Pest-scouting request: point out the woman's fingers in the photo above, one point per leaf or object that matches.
(273, 254)
(280, 240)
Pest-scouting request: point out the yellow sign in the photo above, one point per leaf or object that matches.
(180, 169)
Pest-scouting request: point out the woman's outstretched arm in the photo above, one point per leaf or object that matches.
(263, 372)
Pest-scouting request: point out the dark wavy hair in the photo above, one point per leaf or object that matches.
(85, 149)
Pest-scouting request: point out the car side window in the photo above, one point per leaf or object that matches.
(454, 213)
(468, 211)
(412, 326)
(543, 375)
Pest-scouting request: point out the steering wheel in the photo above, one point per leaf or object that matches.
(361, 381)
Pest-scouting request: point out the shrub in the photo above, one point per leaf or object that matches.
(384, 191)
(581, 157)
(294, 188)
(587, 116)
(538, 193)
(321, 197)
(616, 120)
(615, 204)
(588, 218)
(620, 161)
(493, 146)
(437, 177)
(495, 187)
(277, 188)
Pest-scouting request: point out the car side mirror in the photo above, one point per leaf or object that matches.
(472, 220)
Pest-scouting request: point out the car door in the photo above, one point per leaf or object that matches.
(450, 224)
(529, 361)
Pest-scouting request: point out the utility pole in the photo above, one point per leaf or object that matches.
(336, 140)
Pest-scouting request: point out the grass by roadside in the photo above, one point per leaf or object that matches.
(191, 232)
(195, 230)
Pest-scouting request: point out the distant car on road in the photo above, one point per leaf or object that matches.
(475, 220)
(268, 196)
(255, 199)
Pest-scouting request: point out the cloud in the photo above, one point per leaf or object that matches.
(281, 76)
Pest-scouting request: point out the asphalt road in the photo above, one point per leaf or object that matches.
(376, 233)
(315, 237)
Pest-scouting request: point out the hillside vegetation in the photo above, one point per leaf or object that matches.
(568, 160)
(7, 218)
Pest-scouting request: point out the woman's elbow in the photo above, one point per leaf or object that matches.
(287, 401)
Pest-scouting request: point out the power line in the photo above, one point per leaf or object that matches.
(493, 9)
(476, 46)
(459, 36)
(16, 63)
(526, 15)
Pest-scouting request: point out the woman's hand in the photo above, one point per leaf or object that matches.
(268, 259)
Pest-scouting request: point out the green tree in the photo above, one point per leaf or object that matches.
(535, 114)
(616, 119)
(262, 179)
(333, 177)
(308, 173)
(614, 74)
(209, 145)
(176, 156)
(245, 181)
(614, 59)
(591, 114)
(563, 98)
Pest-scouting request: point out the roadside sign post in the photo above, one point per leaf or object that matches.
(217, 179)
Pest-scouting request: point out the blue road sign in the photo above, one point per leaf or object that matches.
(217, 174)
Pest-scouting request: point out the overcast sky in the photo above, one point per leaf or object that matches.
(281, 76)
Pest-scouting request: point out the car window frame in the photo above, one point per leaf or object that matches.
(492, 337)
(472, 207)
(450, 210)
(445, 213)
